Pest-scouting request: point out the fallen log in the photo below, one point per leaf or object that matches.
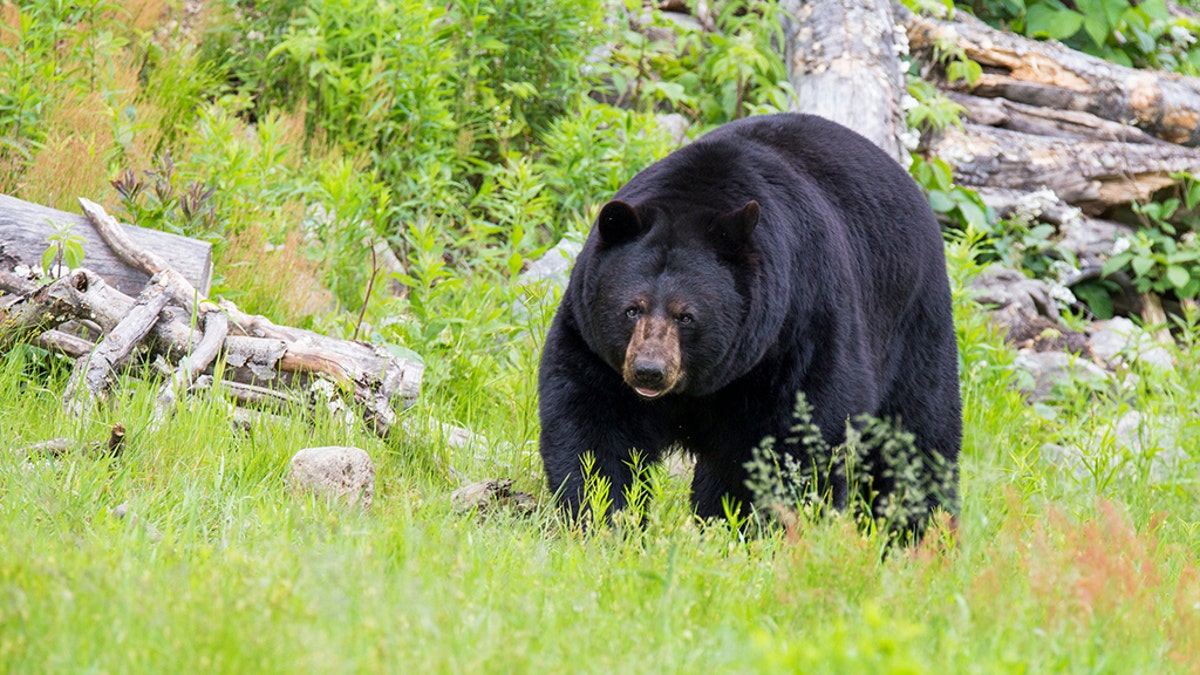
(1065, 124)
(1049, 75)
(92, 373)
(1101, 174)
(25, 228)
(842, 62)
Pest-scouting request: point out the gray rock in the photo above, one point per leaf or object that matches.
(1134, 436)
(1118, 341)
(342, 472)
(674, 126)
(555, 265)
(1003, 288)
(1091, 240)
(1045, 370)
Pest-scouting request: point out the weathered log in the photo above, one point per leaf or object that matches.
(216, 329)
(842, 62)
(94, 372)
(1065, 124)
(1093, 175)
(25, 227)
(57, 447)
(1047, 74)
(272, 354)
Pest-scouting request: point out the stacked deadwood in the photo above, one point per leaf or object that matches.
(170, 323)
(1042, 116)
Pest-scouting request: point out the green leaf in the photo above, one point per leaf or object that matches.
(973, 214)
(1117, 262)
(942, 174)
(1096, 297)
(1178, 276)
(967, 70)
(1056, 24)
(1113, 9)
(73, 253)
(940, 201)
(1193, 194)
(48, 259)
(1141, 265)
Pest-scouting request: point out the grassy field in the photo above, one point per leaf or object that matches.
(216, 567)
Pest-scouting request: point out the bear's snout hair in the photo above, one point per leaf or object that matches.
(653, 363)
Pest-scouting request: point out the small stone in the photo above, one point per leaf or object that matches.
(343, 472)
(488, 494)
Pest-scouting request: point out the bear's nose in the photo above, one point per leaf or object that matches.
(649, 373)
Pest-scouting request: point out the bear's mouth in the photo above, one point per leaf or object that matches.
(649, 394)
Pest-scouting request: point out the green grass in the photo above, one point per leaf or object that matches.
(225, 570)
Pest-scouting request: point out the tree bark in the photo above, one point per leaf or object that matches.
(1093, 175)
(1049, 75)
(25, 227)
(842, 62)
(1064, 124)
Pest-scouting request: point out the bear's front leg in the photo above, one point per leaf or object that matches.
(586, 408)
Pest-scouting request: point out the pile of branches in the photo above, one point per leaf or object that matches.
(195, 342)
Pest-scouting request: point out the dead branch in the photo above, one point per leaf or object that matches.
(1064, 124)
(94, 372)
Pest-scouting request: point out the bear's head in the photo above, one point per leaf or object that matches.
(668, 298)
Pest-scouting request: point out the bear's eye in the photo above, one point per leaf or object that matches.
(684, 319)
(633, 312)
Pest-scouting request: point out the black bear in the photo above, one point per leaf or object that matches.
(777, 255)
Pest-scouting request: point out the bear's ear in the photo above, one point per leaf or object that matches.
(734, 228)
(618, 222)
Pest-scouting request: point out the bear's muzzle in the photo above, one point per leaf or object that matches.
(652, 359)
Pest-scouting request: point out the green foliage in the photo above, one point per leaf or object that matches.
(1141, 34)
(933, 110)
(65, 251)
(710, 76)
(1158, 260)
(960, 205)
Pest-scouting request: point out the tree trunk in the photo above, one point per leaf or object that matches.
(25, 228)
(842, 63)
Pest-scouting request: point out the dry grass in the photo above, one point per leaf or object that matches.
(278, 281)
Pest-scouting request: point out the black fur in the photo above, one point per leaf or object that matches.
(805, 259)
